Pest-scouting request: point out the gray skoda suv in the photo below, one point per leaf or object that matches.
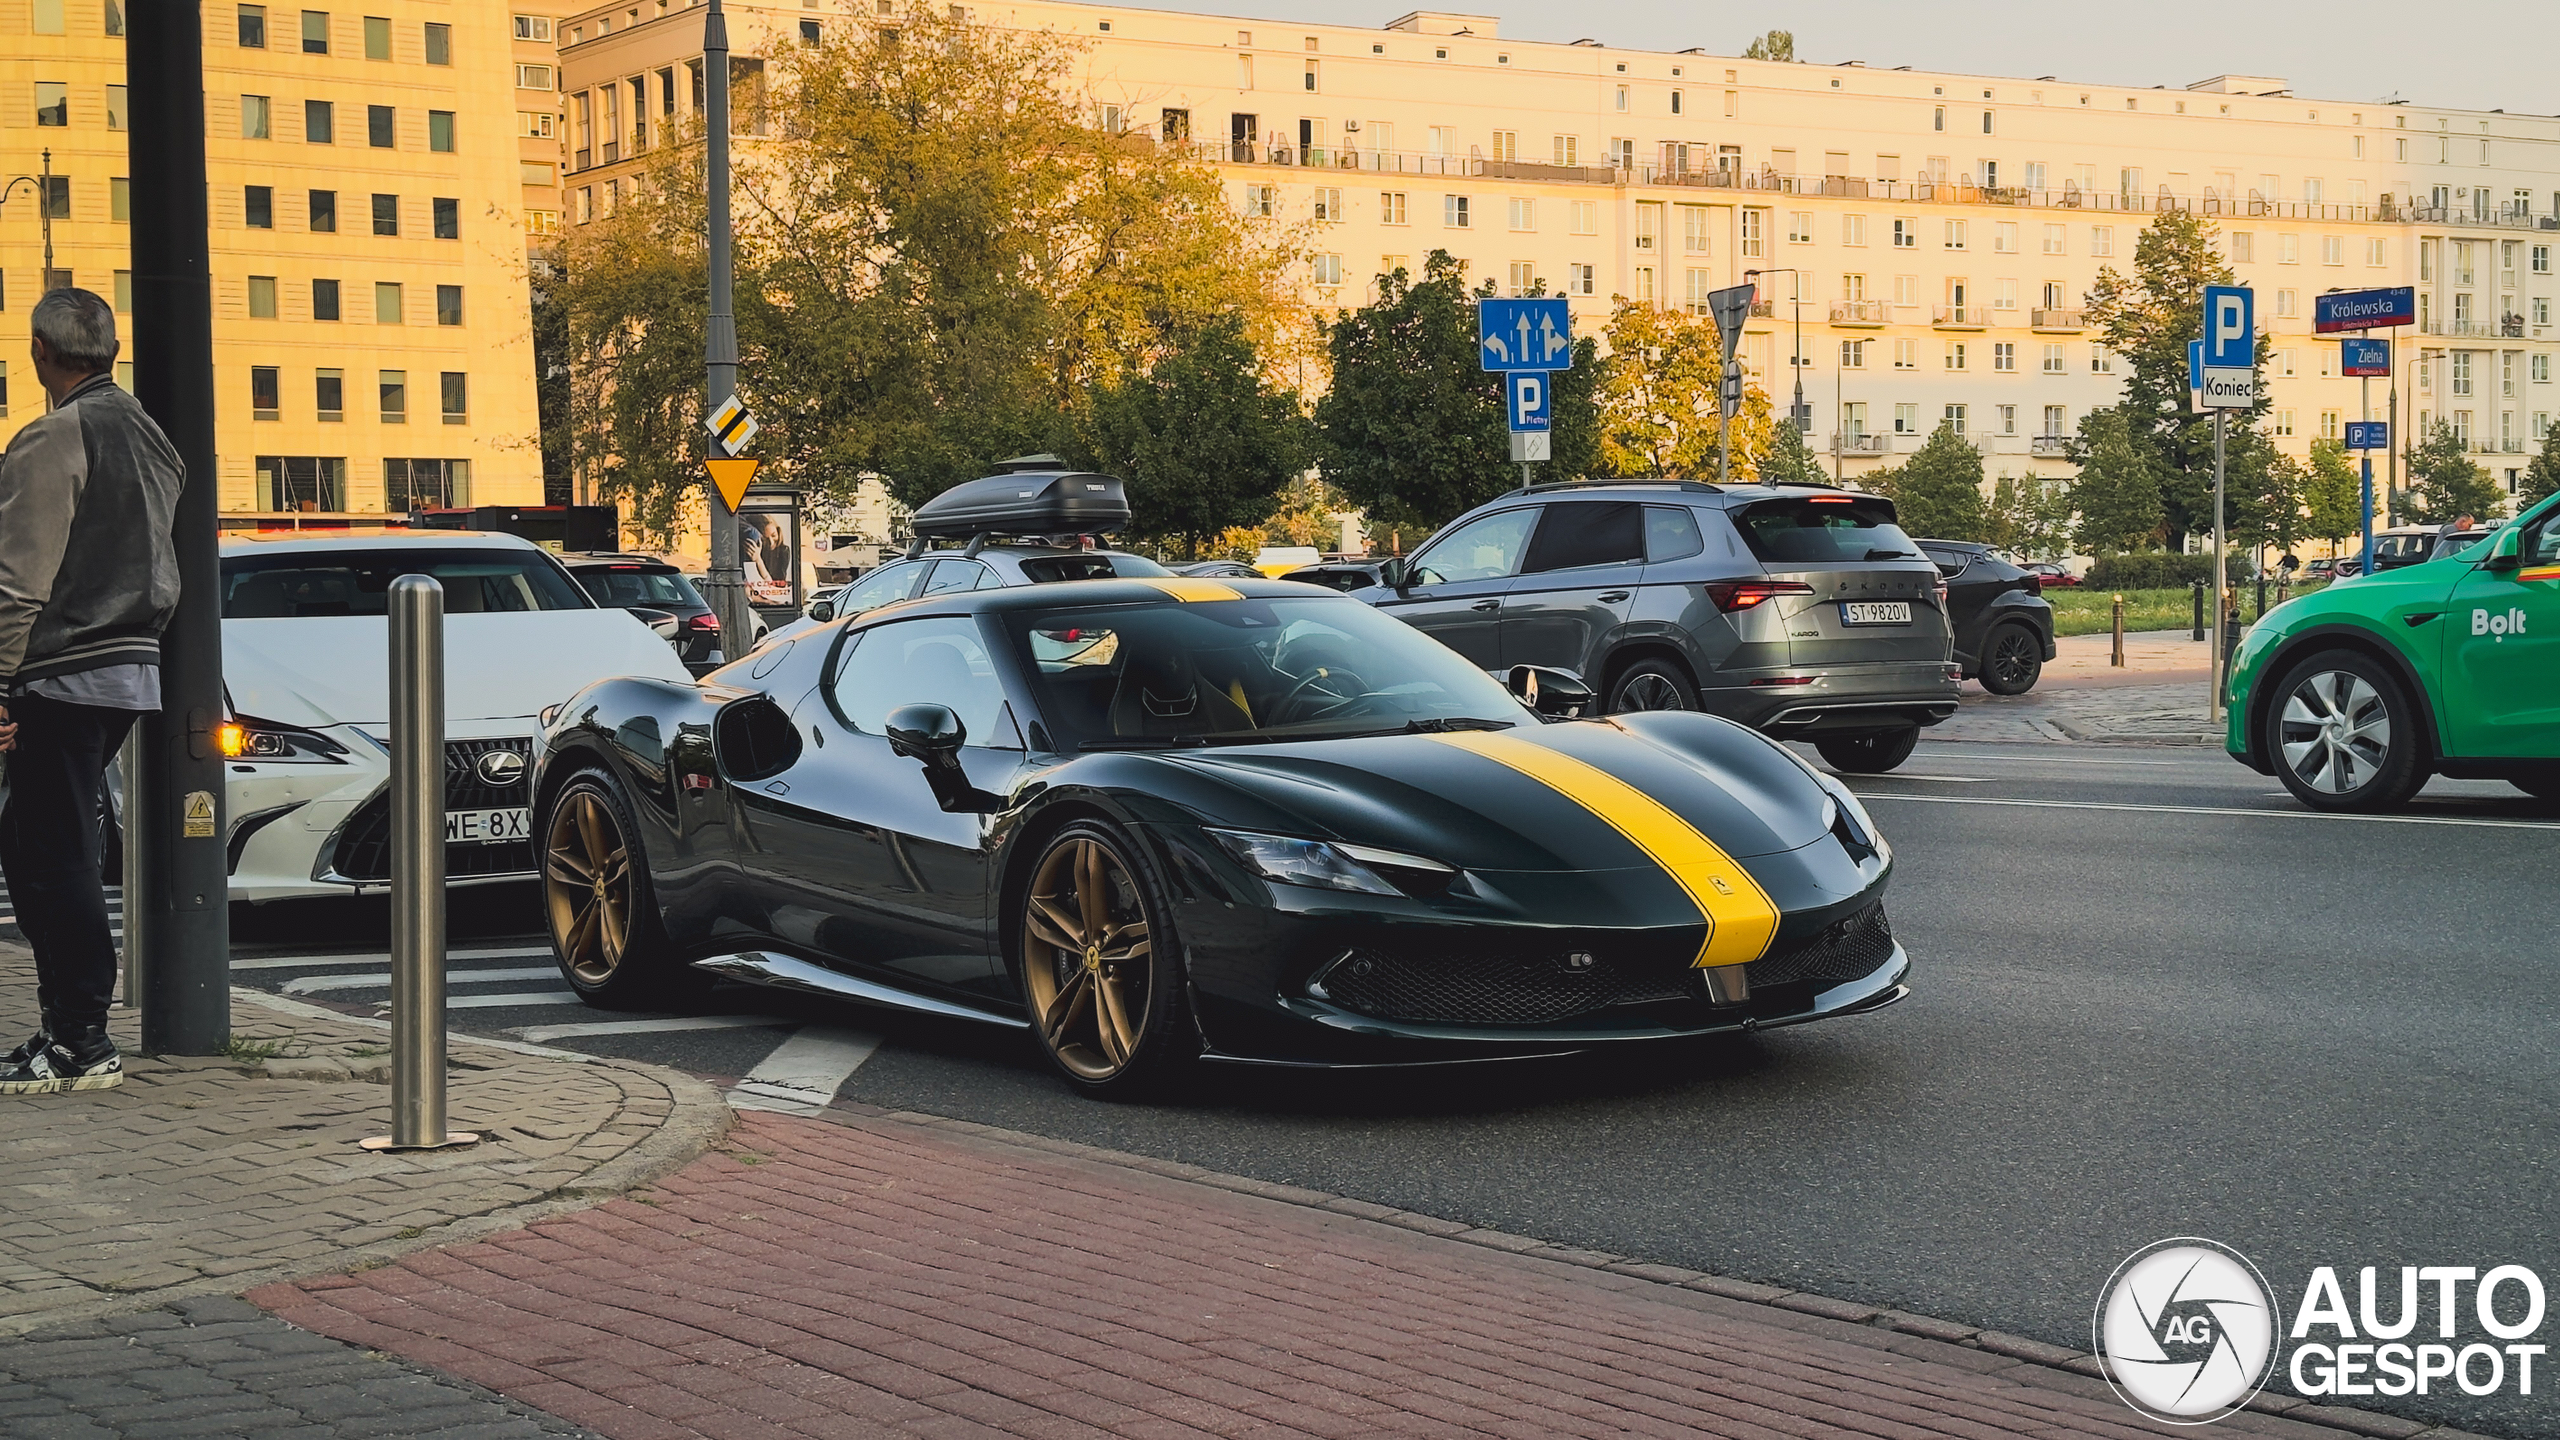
(1801, 611)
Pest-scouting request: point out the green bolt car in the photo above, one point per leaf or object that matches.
(2355, 694)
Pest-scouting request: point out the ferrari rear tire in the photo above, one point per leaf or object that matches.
(2344, 734)
(1868, 754)
(1100, 965)
(599, 907)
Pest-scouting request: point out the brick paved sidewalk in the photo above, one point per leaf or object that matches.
(871, 1276)
(204, 1176)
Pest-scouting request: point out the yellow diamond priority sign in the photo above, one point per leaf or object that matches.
(732, 477)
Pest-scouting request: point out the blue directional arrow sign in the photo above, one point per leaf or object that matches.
(1530, 408)
(1524, 335)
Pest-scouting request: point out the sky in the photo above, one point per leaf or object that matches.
(2484, 55)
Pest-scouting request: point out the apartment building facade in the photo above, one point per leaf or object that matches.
(372, 350)
(1924, 240)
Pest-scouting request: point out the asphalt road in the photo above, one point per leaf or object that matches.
(2152, 997)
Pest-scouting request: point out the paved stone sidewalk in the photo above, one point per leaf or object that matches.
(900, 1275)
(205, 1176)
(219, 1367)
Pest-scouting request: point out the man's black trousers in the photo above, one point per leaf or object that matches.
(49, 852)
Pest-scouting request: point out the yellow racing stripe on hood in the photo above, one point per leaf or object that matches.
(1195, 590)
(1741, 919)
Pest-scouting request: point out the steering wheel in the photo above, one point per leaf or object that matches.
(1329, 681)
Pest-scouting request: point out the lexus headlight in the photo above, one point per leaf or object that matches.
(1322, 864)
(241, 738)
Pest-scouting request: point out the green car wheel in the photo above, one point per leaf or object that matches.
(2345, 735)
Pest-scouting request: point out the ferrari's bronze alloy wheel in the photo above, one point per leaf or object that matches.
(586, 886)
(1089, 968)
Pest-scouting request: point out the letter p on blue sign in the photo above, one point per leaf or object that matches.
(2230, 328)
(1529, 400)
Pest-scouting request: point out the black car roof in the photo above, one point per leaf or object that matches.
(1069, 594)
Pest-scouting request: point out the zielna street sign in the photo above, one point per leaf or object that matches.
(2359, 357)
(2378, 309)
(2368, 434)
(1524, 335)
(2230, 353)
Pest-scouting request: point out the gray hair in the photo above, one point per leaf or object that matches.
(78, 327)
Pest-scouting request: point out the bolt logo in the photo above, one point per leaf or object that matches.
(2186, 1330)
(2502, 626)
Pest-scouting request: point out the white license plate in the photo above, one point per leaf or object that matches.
(480, 827)
(1875, 612)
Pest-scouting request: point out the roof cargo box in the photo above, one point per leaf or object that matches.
(1069, 503)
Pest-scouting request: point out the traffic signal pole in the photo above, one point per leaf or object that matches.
(175, 819)
(726, 582)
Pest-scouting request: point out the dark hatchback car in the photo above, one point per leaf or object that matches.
(2004, 625)
(658, 593)
(1343, 575)
(1801, 611)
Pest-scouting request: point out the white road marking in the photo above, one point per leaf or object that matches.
(501, 1002)
(803, 1073)
(2042, 759)
(380, 979)
(2478, 824)
(1949, 779)
(539, 1034)
(287, 962)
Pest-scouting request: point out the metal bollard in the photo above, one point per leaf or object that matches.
(2117, 660)
(2197, 591)
(417, 870)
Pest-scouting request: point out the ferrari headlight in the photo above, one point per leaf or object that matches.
(1840, 803)
(1322, 864)
(241, 738)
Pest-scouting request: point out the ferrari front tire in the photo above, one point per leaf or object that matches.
(599, 907)
(1868, 754)
(2344, 735)
(1100, 966)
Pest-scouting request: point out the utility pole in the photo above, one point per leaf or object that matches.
(175, 822)
(727, 583)
(2221, 636)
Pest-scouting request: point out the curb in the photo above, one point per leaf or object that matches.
(2037, 1362)
(696, 1120)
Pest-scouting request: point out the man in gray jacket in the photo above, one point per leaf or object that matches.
(88, 579)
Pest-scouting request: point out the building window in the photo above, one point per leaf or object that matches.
(533, 77)
(1258, 200)
(535, 124)
(1586, 281)
(1328, 271)
(448, 304)
(319, 122)
(535, 172)
(1955, 415)
(124, 301)
(1453, 211)
(542, 222)
(2004, 356)
(1328, 203)
(1697, 230)
(253, 27)
(439, 43)
(1955, 355)
(253, 113)
(1524, 214)
(1568, 150)
(455, 389)
(1391, 207)
(1853, 354)
(1955, 234)
(328, 395)
(1622, 98)
(377, 37)
(2101, 360)
(2008, 419)
(2328, 424)
(811, 35)
(395, 397)
(324, 299)
(2055, 418)
(264, 401)
(1701, 284)
(2333, 250)
(2284, 303)
(386, 214)
(2284, 364)
(1643, 285)
(1799, 227)
(1906, 419)
(1586, 217)
(302, 482)
(386, 302)
(440, 131)
(117, 109)
(1853, 229)
(120, 199)
(533, 27)
(2244, 247)
(2288, 249)
(1906, 354)
(2102, 239)
(2284, 424)
(1752, 221)
(258, 207)
(315, 32)
(1906, 234)
(262, 297)
(1524, 278)
(412, 485)
(2004, 237)
(448, 217)
(377, 126)
(2541, 370)
(324, 212)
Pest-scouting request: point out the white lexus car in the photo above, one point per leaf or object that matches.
(306, 665)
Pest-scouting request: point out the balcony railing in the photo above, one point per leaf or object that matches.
(1858, 312)
(2058, 319)
(2508, 327)
(1861, 444)
(1963, 317)
(2047, 444)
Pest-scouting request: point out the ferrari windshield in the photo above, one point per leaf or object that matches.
(1232, 671)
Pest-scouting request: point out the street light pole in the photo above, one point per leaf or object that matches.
(726, 581)
(44, 210)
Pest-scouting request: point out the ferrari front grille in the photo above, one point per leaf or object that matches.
(1492, 989)
(1843, 950)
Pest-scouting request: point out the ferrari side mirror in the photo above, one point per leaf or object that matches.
(1550, 691)
(927, 733)
(2503, 551)
(822, 611)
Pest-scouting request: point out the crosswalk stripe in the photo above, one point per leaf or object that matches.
(803, 1073)
(381, 979)
(501, 1002)
(543, 1034)
(287, 962)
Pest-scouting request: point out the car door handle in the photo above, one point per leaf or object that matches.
(1486, 605)
(1613, 597)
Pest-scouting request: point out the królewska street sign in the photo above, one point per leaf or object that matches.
(1524, 334)
(2230, 352)
(2378, 309)
(2368, 434)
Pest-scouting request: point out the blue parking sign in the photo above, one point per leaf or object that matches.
(2368, 434)
(2230, 328)
(1530, 400)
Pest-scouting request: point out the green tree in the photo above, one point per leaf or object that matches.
(1789, 461)
(2146, 319)
(2332, 495)
(551, 388)
(1938, 493)
(2282, 482)
(1413, 426)
(2029, 517)
(1656, 398)
(2117, 493)
(2444, 485)
(1776, 45)
(1203, 441)
(2542, 477)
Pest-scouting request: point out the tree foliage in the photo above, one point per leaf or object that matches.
(1656, 398)
(2332, 494)
(937, 257)
(2030, 517)
(2542, 477)
(2117, 493)
(1789, 461)
(1775, 45)
(2280, 503)
(1202, 440)
(1413, 426)
(2146, 319)
(2444, 485)
(1937, 493)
